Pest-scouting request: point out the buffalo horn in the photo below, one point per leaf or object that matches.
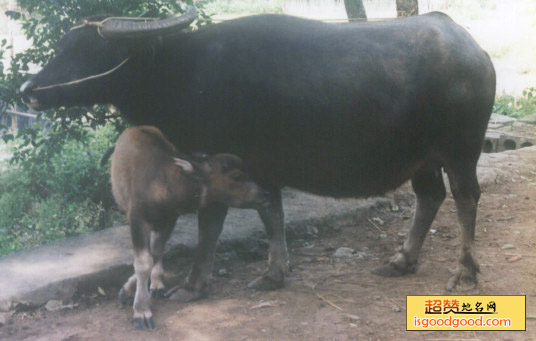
(114, 28)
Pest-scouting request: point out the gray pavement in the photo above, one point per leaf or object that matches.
(60, 269)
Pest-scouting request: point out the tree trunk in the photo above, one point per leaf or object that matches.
(355, 10)
(407, 8)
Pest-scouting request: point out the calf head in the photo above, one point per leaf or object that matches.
(224, 180)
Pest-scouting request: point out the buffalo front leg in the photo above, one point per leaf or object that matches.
(278, 261)
(211, 220)
(430, 192)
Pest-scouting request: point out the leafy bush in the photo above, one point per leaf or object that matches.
(67, 195)
(516, 107)
(54, 187)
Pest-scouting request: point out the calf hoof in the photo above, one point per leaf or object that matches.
(266, 283)
(396, 267)
(144, 323)
(157, 293)
(463, 279)
(185, 295)
(124, 298)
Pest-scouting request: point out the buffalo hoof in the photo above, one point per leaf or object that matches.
(124, 298)
(265, 283)
(396, 267)
(463, 279)
(157, 293)
(144, 323)
(185, 295)
(389, 270)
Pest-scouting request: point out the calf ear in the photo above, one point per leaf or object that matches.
(185, 165)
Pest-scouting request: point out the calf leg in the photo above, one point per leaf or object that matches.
(430, 192)
(158, 242)
(127, 290)
(466, 193)
(210, 223)
(143, 264)
(278, 261)
(143, 317)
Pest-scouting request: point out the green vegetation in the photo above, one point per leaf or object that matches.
(63, 196)
(516, 107)
(53, 186)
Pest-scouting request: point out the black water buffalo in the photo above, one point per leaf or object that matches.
(342, 110)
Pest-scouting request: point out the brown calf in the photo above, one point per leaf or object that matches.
(153, 185)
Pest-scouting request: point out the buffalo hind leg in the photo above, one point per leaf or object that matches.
(210, 223)
(466, 193)
(278, 261)
(430, 193)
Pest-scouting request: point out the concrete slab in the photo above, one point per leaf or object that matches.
(498, 121)
(58, 270)
(531, 119)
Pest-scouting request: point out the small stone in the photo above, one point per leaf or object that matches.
(396, 309)
(227, 255)
(344, 252)
(514, 258)
(223, 272)
(508, 247)
(377, 298)
(353, 317)
(378, 220)
(53, 305)
(433, 231)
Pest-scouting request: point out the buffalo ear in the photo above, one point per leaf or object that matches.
(185, 165)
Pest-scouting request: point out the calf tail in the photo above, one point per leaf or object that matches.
(106, 156)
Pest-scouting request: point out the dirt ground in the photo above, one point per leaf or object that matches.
(347, 302)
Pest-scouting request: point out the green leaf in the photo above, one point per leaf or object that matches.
(13, 15)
